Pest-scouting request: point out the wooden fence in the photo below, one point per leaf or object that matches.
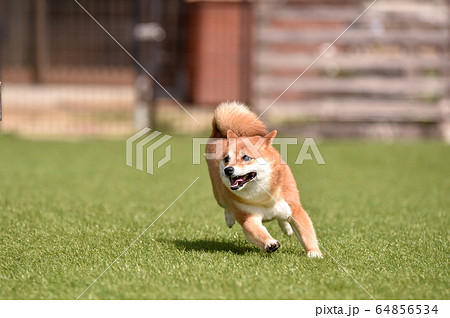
(387, 76)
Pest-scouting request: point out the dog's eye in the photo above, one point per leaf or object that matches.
(246, 158)
(226, 159)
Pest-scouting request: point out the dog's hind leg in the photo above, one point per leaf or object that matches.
(285, 227)
(257, 233)
(304, 230)
(229, 218)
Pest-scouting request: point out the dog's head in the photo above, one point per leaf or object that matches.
(247, 161)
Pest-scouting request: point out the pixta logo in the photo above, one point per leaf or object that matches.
(144, 146)
(308, 145)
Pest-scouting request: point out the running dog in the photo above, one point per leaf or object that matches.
(252, 183)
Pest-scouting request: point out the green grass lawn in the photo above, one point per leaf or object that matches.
(68, 209)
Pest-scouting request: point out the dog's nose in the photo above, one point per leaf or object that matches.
(228, 171)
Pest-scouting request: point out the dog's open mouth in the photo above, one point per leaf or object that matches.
(239, 181)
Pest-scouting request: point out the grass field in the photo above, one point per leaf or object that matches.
(68, 209)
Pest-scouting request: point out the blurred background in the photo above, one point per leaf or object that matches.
(387, 77)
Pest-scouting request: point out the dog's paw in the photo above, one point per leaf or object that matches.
(286, 228)
(289, 232)
(229, 218)
(314, 254)
(272, 246)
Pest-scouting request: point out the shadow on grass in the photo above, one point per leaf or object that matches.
(211, 245)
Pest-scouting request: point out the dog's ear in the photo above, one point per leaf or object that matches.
(231, 134)
(269, 137)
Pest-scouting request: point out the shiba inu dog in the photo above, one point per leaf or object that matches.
(252, 183)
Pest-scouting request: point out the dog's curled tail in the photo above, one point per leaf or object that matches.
(238, 118)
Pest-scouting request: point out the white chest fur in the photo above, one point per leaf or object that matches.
(280, 210)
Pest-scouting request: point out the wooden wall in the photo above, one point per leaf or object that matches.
(384, 77)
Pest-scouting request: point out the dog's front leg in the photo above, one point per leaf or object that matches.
(257, 233)
(304, 230)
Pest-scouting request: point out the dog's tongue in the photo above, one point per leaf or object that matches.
(236, 181)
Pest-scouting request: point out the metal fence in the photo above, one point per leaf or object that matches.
(63, 74)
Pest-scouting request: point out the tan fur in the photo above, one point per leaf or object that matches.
(238, 118)
(266, 197)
